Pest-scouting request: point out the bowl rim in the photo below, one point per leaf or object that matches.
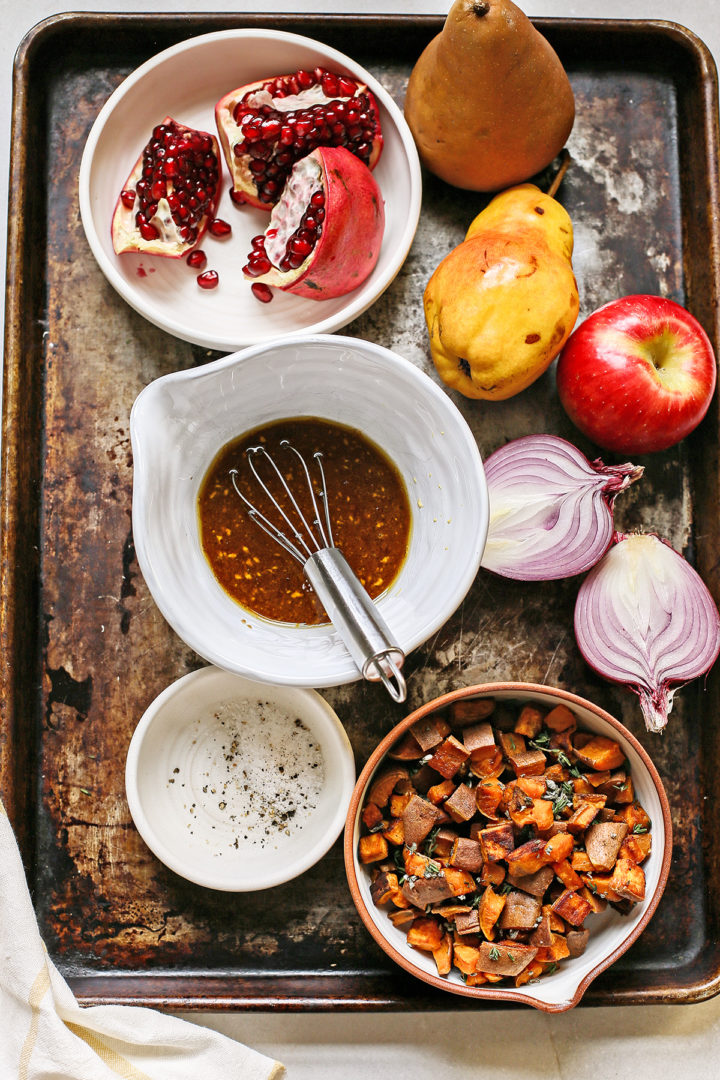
(324, 323)
(332, 733)
(254, 353)
(495, 992)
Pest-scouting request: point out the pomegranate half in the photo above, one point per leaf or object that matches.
(170, 195)
(266, 126)
(325, 233)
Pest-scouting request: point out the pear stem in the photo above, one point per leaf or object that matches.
(480, 8)
(563, 168)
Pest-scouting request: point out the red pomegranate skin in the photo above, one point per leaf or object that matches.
(349, 245)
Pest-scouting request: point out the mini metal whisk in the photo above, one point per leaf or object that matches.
(351, 611)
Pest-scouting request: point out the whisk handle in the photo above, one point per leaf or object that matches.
(357, 620)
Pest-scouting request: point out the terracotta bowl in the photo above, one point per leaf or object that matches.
(611, 933)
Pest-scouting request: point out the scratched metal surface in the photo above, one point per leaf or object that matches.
(120, 924)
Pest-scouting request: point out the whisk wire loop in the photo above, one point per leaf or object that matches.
(352, 612)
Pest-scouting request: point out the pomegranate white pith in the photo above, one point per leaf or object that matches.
(325, 234)
(170, 196)
(266, 126)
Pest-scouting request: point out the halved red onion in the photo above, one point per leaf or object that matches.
(550, 508)
(645, 618)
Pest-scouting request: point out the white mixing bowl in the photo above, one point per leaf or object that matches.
(180, 422)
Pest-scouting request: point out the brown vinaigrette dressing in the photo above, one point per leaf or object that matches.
(369, 513)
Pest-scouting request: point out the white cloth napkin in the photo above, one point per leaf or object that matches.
(46, 1035)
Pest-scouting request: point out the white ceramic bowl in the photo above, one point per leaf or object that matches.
(194, 752)
(179, 423)
(611, 934)
(185, 82)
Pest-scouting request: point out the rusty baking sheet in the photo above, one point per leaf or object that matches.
(84, 650)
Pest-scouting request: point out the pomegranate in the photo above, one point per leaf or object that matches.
(170, 195)
(266, 126)
(325, 233)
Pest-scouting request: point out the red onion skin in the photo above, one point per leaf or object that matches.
(621, 654)
(541, 459)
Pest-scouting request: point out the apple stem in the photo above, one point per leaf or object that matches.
(565, 160)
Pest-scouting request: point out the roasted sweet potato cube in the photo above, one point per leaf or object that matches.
(532, 972)
(371, 815)
(383, 887)
(528, 763)
(403, 917)
(560, 719)
(465, 958)
(399, 802)
(521, 911)
(569, 877)
(424, 891)
(580, 862)
(373, 848)
(467, 923)
(527, 859)
(603, 841)
(443, 955)
(582, 786)
(600, 753)
(460, 882)
(462, 805)
(558, 847)
(395, 833)
(470, 711)
(476, 979)
(384, 784)
(430, 731)
(557, 773)
(467, 854)
(444, 840)
(406, 749)
(419, 818)
(597, 779)
(497, 841)
(487, 765)
(541, 936)
(620, 791)
(558, 950)
(600, 885)
(636, 848)
(572, 908)
(492, 873)
(426, 934)
(628, 880)
(583, 815)
(439, 792)
(634, 817)
(596, 902)
(530, 721)
(488, 795)
(504, 957)
(556, 924)
(448, 757)
(511, 743)
(466, 939)
(535, 884)
(577, 941)
(489, 909)
(416, 864)
(479, 739)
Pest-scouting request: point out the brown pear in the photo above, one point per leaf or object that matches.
(488, 102)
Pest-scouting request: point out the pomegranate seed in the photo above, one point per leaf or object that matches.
(257, 265)
(330, 85)
(237, 197)
(258, 242)
(196, 259)
(148, 231)
(208, 280)
(305, 79)
(346, 86)
(304, 127)
(128, 198)
(300, 246)
(317, 199)
(287, 136)
(261, 292)
(218, 227)
(271, 129)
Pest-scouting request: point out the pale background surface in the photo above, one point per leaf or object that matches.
(642, 1043)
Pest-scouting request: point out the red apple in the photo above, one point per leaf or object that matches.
(637, 375)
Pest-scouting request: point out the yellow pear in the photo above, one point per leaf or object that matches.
(488, 101)
(502, 304)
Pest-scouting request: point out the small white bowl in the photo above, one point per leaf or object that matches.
(199, 796)
(185, 82)
(179, 423)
